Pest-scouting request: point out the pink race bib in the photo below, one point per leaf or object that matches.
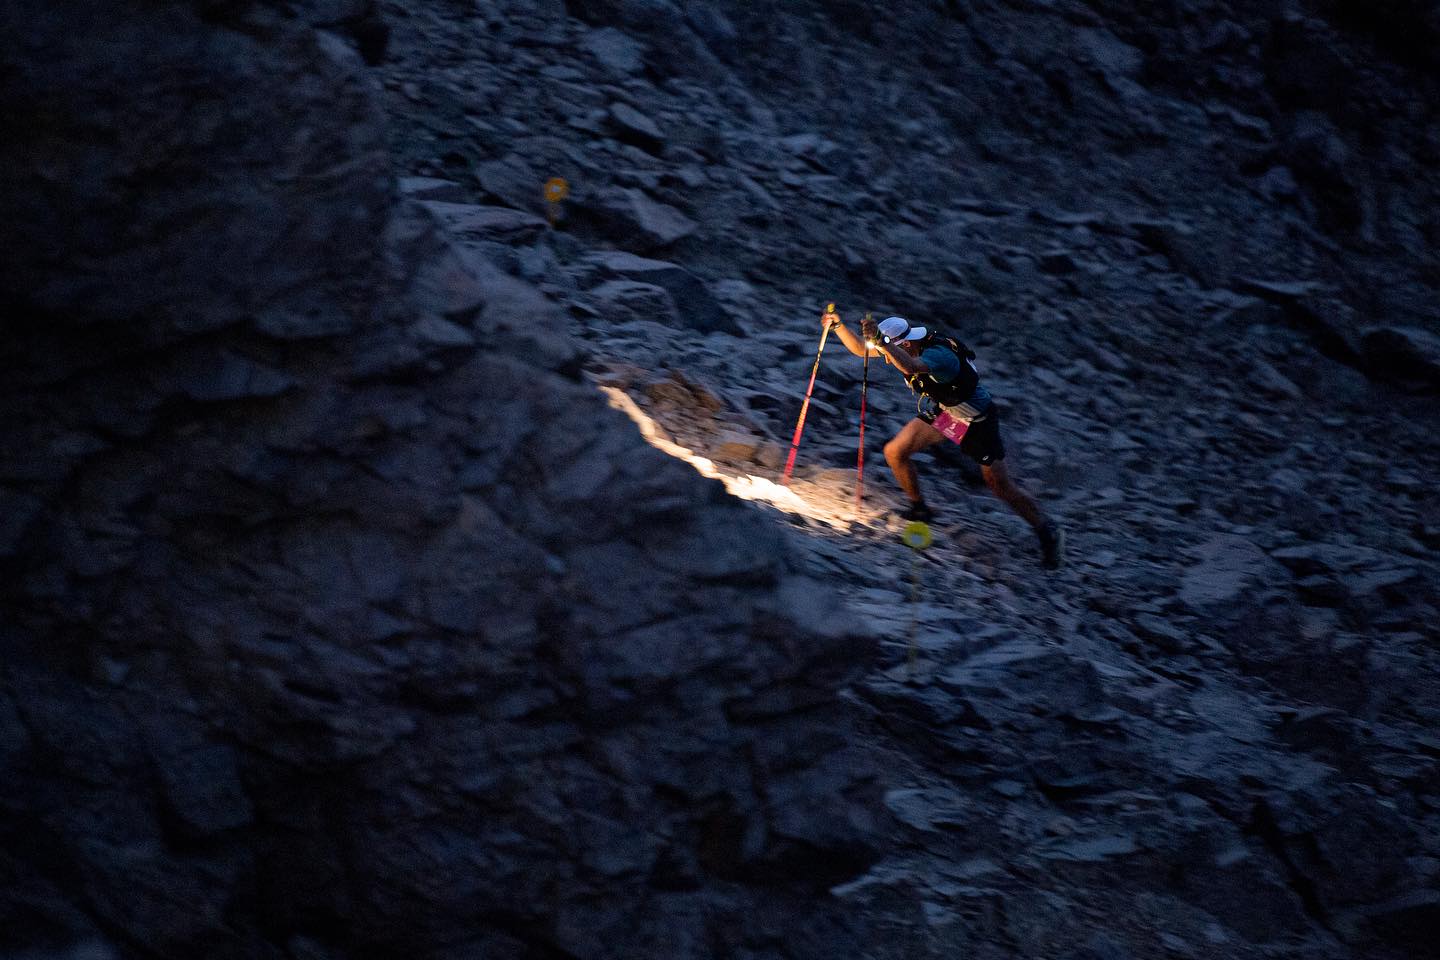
(952, 428)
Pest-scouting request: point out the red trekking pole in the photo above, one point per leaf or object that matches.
(805, 407)
(860, 457)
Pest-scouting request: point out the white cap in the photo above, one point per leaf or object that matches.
(898, 328)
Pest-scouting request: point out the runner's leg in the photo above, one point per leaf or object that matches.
(912, 438)
(997, 478)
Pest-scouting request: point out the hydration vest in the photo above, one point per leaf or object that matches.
(957, 391)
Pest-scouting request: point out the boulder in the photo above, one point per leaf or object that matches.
(1408, 356)
(1188, 251)
(474, 222)
(694, 306)
(620, 301)
(616, 51)
(511, 180)
(227, 375)
(432, 188)
(1225, 568)
(633, 219)
(635, 127)
(1407, 921)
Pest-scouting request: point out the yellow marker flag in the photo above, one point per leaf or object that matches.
(556, 189)
(917, 536)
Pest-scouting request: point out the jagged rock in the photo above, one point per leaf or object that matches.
(1277, 291)
(713, 27)
(1272, 381)
(1228, 876)
(227, 376)
(1319, 157)
(1354, 571)
(694, 305)
(734, 447)
(1408, 921)
(1099, 946)
(624, 300)
(1278, 183)
(928, 809)
(435, 332)
(1318, 728)
(1089, 849)
(1043, 677)
(448, 286)
(677, 394)
(615, 51)
(1226, 568)
(1188, 252)
(1318, 832)
(1057, 262)
(635, 127)
(472, 222)
(289, 238)
(636, 220)
(1404, 355)
(763, 206)
(511, 180)
(301, 320)
(1114, 58)
(432, 188)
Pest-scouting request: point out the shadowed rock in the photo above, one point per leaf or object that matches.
(387, 634)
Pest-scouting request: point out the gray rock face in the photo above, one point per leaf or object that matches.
(379, 631)
(346, 616)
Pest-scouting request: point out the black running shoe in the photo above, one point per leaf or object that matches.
(1052, 545)
(918, 510)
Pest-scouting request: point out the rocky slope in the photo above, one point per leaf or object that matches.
(349, 620)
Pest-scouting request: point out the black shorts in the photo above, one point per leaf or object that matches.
(981, 442)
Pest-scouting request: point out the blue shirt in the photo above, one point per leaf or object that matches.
(945, 366)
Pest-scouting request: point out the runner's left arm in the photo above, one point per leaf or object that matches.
(852, 343)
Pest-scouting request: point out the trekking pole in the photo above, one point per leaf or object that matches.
(805, 407)
(917, 537)
(912, 649)
(860, 457)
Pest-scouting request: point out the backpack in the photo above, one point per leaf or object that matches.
(957, 391)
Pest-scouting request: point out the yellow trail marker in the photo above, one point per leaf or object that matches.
(917, 536)
(556, 189)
